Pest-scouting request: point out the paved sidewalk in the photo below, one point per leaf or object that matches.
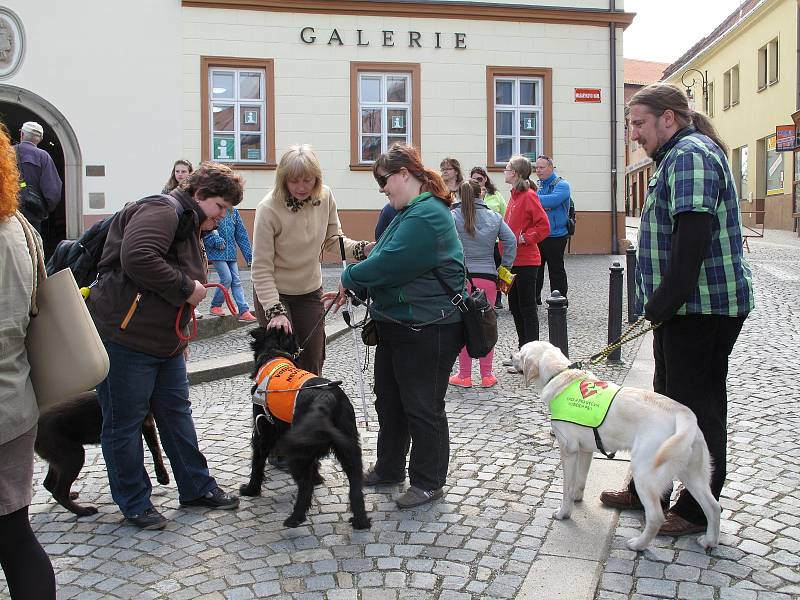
(492, 536)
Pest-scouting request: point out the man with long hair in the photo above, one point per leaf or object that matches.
(692, 277)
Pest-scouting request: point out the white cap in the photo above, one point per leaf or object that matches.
(33, 127)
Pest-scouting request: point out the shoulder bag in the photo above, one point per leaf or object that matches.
(477, 315)
(65, 352)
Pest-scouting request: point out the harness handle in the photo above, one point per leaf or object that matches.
(193, 318)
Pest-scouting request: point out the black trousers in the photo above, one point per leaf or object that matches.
(691, 367)
(411, 373)
(522, 304)
(552, 251)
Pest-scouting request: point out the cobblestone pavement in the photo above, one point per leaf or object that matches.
(759, 553)
(479, 541)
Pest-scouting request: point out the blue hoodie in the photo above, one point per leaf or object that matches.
(555, 201)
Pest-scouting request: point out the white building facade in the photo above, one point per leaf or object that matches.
(125, 88)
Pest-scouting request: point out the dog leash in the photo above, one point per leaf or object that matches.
(193, 319)
(626, 337)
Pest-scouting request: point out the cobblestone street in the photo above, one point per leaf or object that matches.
(504, 481)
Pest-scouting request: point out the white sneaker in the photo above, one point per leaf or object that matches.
(513, 370)
(507, 362)
(197, 314)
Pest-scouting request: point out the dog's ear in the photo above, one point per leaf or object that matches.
(259, 335)
(288, 342)
(530, 368)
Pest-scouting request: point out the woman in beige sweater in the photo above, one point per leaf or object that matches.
(294, 223)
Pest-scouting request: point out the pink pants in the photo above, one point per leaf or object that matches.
(464, 359)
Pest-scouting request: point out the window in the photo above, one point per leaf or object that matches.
(384, 109)
(739, 160)
(774, 168)
(519, 118)
(709, 99)
(237, 112)
(768, 64)
(730, 91)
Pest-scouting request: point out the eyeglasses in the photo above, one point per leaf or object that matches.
(448, 169)
(479, 178)
(508, 170)
(384, 179)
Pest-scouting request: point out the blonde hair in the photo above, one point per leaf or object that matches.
(9, 176)
(298, 162)
(523, 168)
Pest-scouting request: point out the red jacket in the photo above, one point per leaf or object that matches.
(524, 214)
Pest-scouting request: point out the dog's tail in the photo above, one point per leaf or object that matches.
(679, 444)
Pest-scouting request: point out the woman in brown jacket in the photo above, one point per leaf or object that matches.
(152, 265)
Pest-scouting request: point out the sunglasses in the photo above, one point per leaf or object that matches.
(384, 179)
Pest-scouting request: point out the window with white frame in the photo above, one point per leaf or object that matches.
(517, 117)
(237, 115)
(384, 109)
(768, 64)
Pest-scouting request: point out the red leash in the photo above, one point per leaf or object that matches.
(193, 319)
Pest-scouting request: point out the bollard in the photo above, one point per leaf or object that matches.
(557, 321)
(615, 308)
(630, 255)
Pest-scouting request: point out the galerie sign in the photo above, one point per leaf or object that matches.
(388, 38)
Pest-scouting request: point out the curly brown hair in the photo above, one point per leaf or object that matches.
(9, 176)
(215, 179)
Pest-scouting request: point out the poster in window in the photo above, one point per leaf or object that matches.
(223, 147)
(774, 168)
(251, 117)
(785, 138)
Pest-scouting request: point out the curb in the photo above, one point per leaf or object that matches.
(580, 545)
(240, 363)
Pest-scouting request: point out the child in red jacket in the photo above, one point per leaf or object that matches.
(528, 220)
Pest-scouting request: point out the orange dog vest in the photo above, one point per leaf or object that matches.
(277, 385)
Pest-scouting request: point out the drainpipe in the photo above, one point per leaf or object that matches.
(612, 29)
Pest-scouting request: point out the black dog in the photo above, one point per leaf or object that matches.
(60, 438)
(323, 422)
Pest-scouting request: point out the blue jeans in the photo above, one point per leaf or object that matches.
(228, 272)
(138, 383)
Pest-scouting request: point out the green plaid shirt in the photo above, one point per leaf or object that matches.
(693, 175)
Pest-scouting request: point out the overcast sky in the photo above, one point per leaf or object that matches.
(663, 31)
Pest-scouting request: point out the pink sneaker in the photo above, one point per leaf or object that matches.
(217, 311)
(460, 381)
(247, 317)
(488, 381)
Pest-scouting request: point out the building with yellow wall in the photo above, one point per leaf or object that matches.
(744, 75)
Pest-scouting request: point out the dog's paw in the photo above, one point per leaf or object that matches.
(292, 521)
(162, 477)
(578, 496)
(561, 514)
(73, 495)
(249, 490)
(317, 479)
(361, 523)
(706, 543)
(637, 544)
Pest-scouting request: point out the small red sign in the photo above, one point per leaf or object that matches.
(587, 95)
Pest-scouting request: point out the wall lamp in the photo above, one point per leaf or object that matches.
(703, 80)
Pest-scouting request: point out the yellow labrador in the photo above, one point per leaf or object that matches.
(662, 436)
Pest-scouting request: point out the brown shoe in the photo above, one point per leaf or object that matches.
(623, 500)
(677, 525)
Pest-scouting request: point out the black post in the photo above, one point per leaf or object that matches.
(557, 321)
(630, 255)
(615, 308)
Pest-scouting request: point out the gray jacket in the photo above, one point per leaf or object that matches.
(479, 249)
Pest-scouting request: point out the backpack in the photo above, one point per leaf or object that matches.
(571, 217)
(83, 255)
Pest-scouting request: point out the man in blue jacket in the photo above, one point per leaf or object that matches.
(554, 194)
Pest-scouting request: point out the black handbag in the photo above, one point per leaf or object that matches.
(477, 315)
(369, 333)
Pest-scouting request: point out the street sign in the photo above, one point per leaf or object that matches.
(587, 95)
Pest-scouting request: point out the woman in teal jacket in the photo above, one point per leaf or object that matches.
(419, 331)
